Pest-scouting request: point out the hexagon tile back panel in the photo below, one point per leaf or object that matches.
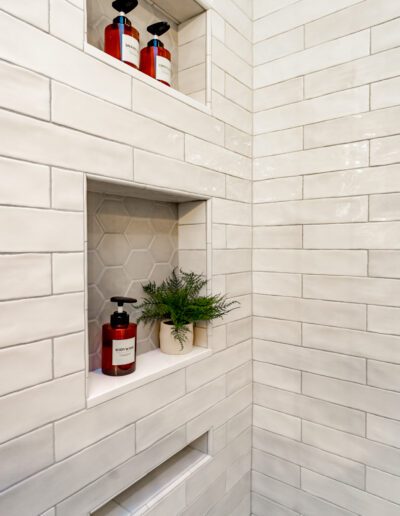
(130, 241)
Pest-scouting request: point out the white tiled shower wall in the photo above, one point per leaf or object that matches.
(326, 258)
(66, 115)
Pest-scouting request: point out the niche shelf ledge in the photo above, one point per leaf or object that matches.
(149, 367)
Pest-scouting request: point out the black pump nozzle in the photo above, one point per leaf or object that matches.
(120, 317)
(125, 6)
(159, 28)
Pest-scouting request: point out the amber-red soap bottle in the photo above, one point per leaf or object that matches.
(119, 341)
(155, 60)
(121, 40)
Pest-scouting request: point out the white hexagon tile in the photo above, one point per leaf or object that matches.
(130, 241)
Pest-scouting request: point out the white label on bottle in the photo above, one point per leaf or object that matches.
(123, 351)
(163, 69)
(130, 50)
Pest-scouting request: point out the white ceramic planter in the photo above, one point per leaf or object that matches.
(169, 344)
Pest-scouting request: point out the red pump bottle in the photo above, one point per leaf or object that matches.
(155, 60)
(119, 341)
(121, 40)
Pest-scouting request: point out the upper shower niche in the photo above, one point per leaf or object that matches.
(186, 40)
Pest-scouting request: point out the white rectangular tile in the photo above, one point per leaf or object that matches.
(356, 290)
(346, 496)
(326, 159)
(273, 190)
(68, 272)
(238, 141)
(313, 59)
(217, 365)
(36, 13)
(384, 430)
(231, 261)
(276, 468)
(312, 360)
(64, 314)
(382, 122)
(372, 235)
(278, 46)
(358, 17)
(67, 190)
(359, 181)
(26, 456)
(24, 184)
(357, 343)
(278, 142)
(33, 363)
(309, 457)
(231, 113)
(383, 375)
(385, 264)
(385, 35)
(277, 237)
(277, 330)
(293, 15)
(310, 111)
(385, 93)
(37, 50)
(13, 268)
(67, 22)
(85, 428)
(311, 409)
(90, 154)
(385, 150)
(231, 63)
(75, 109)
(357, 448)
(24, 91)
(355, 73)
(37, 405)
(383, 485)
(66, 477)
(231, 212)
(162, 422)
(277, 284)
(350, 209)
(34, 230)
(384, 207)
(278, 94)
(151, 103)
(384, 319)
(361, 397)
(69, 354)
(348, 315)
(177, 175)
(277, 422)
(217, 158)
(353, 263)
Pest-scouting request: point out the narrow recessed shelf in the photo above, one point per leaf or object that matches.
(149, 367)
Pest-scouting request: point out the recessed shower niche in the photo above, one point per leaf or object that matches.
(135, 236)
(186, 39)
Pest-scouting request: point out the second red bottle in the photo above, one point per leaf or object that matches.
(155, 59)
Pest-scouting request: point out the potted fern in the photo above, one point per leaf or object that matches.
(178, 304)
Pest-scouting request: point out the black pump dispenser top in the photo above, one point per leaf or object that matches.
(124, 7)
(120, 317)
(157, 29)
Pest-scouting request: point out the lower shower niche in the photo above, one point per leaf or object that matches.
(162, 491)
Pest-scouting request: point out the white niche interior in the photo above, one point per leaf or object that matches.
(186, 40)
(137, 235)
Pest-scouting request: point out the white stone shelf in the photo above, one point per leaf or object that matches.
(136, 74)
(149, 367)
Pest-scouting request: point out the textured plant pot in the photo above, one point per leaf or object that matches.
(169, 344)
